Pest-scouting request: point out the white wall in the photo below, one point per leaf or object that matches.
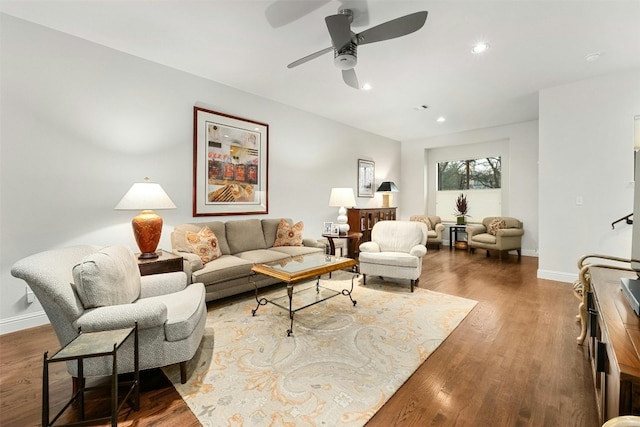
(518, 146)
(81, 122)
(586, 151)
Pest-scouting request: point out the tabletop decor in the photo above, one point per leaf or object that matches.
(230, 169)
(462, 207)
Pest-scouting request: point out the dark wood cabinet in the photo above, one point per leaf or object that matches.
(363, 220)
(613, 337)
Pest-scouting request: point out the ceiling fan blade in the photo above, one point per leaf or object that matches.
(310, 57)
(340, 30)
(283, 12)
(395, 28)
(350, 78)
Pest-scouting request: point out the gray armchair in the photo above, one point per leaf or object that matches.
(101, 289)
(502, 234)
(435, 227)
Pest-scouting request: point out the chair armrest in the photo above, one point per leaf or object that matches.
(473, 230)
(509, 232)
(369, 247)
(162, 284)
(148, 314)
(418, 250)
(439, 228)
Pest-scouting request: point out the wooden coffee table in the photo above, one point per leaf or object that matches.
(297, 269)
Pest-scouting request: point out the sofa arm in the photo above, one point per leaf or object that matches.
(473, 230)
(192, 262)
(439, 228)
(313, 243)
(369, 247)
(148, 314)
(162, 284)
(418, 250)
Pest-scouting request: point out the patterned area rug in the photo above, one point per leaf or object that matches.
(341, 364)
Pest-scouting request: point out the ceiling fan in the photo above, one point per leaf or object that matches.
(345, 42)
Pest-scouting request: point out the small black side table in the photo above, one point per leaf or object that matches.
(85, 346)
(454, 229)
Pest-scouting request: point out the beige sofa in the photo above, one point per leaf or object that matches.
(434, 227)
(502, 237)
(242, 244)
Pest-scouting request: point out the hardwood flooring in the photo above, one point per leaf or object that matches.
(513, 361)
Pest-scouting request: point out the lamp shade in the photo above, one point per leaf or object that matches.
(342, 197)
(387, 186)
(147, 226)
(145, 195)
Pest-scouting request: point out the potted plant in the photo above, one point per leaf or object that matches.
(462, 207)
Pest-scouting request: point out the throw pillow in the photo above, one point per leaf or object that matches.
(204, 244)
(108, 277)
(424, 220)
(289, 235)
(495, 225)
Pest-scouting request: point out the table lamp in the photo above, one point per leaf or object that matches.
(341, 197)
(147, 226)
(386, 188)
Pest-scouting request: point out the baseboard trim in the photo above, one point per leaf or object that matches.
(558, 276)
(25, 321)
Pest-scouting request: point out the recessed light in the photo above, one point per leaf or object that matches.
(421, 107)
(441, 119)
(593, 56)
(480, 47)
(366, 86)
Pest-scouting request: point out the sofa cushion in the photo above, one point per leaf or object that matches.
(289, 235)
(496, 225)
(227, 267)
(270, 227)
(108, 277)
(204, 244)
(484, 238)
(260, 256)
(245, 235)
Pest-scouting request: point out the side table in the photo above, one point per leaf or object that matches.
(352, 237)
(166, 262)
(454, 229)
(88, 345)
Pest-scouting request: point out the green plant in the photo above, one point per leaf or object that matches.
(462, 207)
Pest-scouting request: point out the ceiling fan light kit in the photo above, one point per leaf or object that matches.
(345, 42)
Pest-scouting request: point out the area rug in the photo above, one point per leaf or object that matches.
(341, 364)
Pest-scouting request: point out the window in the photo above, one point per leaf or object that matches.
(476, 174)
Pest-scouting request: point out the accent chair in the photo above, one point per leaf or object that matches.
(435, 227)
(396, 250)
(502, 234)
(93, 289)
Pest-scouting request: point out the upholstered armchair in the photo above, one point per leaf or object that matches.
(502, 234)
(396, 250)
(435, 227)
(93, 289)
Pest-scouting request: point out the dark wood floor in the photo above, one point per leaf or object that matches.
(512, 362)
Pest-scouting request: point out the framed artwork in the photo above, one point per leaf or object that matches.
(326, 227)
(366, 178)
(230, 164)
(335, 229)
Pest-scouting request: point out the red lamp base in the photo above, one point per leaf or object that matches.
(147, 228)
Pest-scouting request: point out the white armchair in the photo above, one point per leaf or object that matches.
(93, 289)
(396, 250)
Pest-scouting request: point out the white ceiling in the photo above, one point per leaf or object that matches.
(533, 45)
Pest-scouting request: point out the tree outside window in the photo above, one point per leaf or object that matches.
(476, 174)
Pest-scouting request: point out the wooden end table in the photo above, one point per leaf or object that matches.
(166, 262)
(353, 237)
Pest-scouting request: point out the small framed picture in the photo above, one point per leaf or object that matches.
(335, 229)
(326, 228)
